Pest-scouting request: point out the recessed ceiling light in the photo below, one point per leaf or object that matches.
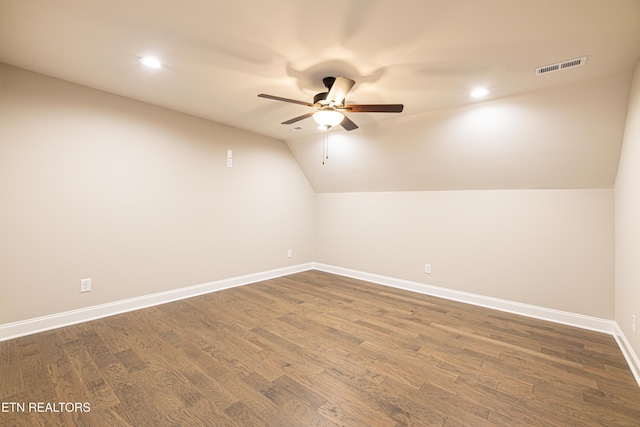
(479, 92)
(151, 62)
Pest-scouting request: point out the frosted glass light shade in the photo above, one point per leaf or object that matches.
(328, 118)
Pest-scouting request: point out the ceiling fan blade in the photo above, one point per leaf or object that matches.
(374, 108)
(278, 98)
(339, 89)
(348, 124)
(297, 119)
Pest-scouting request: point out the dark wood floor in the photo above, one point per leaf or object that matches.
(314, 349)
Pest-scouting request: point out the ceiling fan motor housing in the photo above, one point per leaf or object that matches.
(321, 98)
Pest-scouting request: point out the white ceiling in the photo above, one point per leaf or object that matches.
(218, 55)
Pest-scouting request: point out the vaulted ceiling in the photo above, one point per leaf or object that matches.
(559, 130)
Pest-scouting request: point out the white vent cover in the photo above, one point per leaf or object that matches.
(561, 66)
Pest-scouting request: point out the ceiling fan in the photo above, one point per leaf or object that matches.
(330, 106)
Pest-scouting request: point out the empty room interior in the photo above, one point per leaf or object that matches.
(338, 213)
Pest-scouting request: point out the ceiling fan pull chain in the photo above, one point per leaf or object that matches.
(327, 138)
(325, 145)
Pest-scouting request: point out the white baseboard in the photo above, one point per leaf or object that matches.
(629, 354)
(31, 326)
(552, 315)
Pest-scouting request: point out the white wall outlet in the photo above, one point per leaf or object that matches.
(229, 163)
(633, 323)
(289, 253)
(229, 154)
(427, 268)
(85, 285)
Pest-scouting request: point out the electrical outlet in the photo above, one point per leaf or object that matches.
(85, 285)
(289, 253)
(427, 268)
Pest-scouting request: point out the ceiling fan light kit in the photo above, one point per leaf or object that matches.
(328, 118)
(331, 104)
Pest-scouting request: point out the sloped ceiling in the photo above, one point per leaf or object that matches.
(560, 130)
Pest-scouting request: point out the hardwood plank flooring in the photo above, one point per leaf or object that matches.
(315, 349)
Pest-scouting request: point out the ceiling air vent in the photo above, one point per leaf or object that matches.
(561, 66)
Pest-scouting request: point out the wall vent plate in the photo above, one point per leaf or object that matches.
(551, 68)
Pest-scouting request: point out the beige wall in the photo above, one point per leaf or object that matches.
(139, 198)
(549, 248)
(627, 217)
(136, 197)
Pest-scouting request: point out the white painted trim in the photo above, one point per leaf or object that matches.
(31, 326)
(627, 351)
(549, 314)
